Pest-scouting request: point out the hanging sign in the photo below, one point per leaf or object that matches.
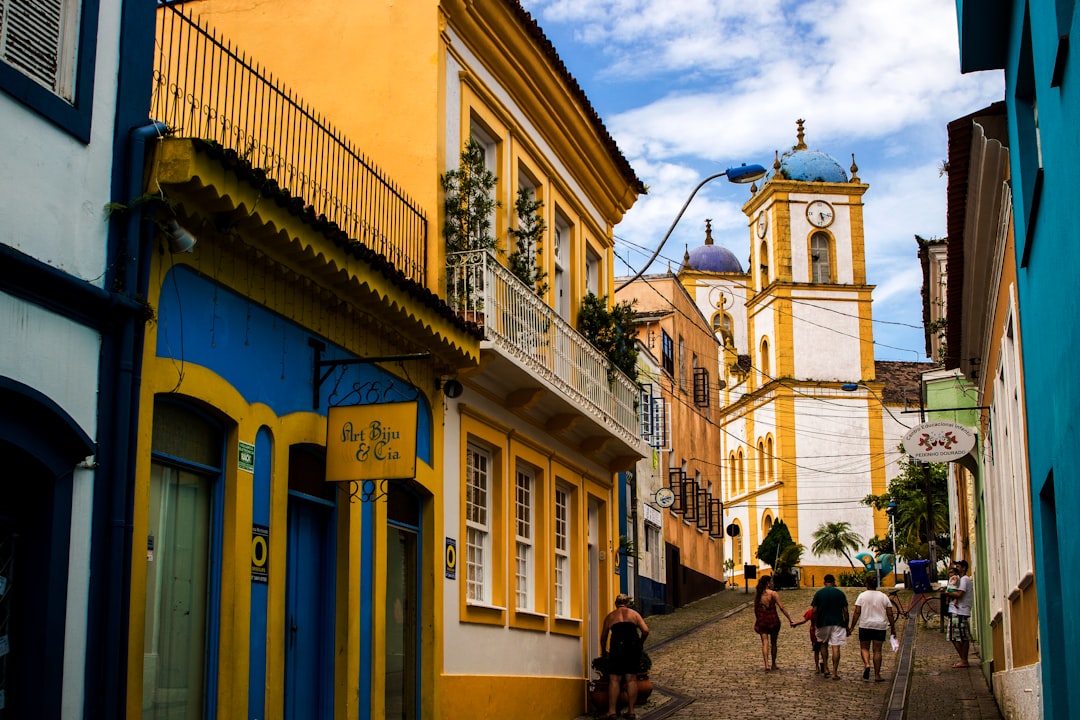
(939, 441)
(371, 442)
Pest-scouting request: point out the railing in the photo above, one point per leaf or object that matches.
(483, 290)
(204, 88)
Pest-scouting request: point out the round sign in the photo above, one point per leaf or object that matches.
(732, 530)
(939, 441)
(665, 497)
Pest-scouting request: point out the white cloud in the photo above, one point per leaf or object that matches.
(696, 85)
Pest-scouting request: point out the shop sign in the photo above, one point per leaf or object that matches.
(938, 441)
(371, 442)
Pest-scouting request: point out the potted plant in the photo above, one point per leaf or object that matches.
(469, 205)
(598, 688)
(612, 332)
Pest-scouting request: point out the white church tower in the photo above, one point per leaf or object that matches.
(795, 326)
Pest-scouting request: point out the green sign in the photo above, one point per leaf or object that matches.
(247, 457)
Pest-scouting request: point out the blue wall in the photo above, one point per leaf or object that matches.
(1043, 98)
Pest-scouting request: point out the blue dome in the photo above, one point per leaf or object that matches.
(811, 166)
(712, 258)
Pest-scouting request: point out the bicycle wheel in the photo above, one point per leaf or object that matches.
(897, 605)
(930, 610)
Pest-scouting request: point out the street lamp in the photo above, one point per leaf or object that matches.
(741, 174)
(890, 510)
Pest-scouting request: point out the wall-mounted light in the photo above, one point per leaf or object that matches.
(451, 388)
(180, 240)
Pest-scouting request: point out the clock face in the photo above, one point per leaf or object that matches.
(819, 213)
(762, 224)
(665, 497)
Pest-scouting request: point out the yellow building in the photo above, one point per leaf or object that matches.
(682, 400)
(377, 478)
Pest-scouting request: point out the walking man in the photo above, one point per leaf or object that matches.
(959, 594)
(873, 615)
(830, 608)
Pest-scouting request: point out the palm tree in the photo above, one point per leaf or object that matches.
(836, 538)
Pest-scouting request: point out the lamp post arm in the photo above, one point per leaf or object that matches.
(671, 229)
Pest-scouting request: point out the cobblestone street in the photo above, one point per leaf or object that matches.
(707, 664)
(721, 667)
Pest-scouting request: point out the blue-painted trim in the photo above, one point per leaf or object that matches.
(213, 610)
(74, 118)
(367, 598)
(419, 649)
(34, 422)
(260, 515)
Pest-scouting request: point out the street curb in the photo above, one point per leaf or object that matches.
(894, 709)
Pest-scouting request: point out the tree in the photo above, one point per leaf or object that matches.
(612, 332)
(836, 538)
(469, 202)
(908, 491)
(524, 260)
(776, 542)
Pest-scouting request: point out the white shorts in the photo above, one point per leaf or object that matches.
(832, 634)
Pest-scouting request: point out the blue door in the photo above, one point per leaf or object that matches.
(309, 609)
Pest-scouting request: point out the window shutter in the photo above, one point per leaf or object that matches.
(35, 38)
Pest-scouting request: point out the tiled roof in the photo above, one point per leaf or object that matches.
(903, 380)
(531, 27)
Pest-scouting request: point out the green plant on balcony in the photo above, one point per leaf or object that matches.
(524, 260)
(469, 202)
(613, 332)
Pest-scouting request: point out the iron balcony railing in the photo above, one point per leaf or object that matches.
(512, 315)
(205, 88)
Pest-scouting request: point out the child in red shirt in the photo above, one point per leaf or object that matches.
(820, 650)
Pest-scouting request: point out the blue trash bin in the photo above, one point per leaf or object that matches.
(920, 575)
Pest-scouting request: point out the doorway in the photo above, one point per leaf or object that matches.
(309, 588)
(403, 606)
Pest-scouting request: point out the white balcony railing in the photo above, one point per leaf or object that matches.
(514, 317)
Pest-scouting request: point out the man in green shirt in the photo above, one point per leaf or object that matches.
(830, 612)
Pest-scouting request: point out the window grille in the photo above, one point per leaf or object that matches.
(701, 387)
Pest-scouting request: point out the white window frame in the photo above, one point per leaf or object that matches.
(820, 258)
(563, 576)
(478, 513)
(524, 534)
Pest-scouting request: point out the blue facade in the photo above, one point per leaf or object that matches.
(1030, 42)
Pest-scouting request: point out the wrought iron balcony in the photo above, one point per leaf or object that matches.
(206, 88)
(520, 326)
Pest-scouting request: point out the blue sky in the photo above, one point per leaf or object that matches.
(690, 87)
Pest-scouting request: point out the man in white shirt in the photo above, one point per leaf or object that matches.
(959, 594)
(873, 614)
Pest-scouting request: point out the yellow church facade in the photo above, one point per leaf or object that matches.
(796, 327)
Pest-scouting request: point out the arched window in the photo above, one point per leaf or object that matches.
(763, 363)
(721, 324)
(761, 477)
(766, 524)
(770, 468)
(740, 460)
(763, 263)
(820, 258)
(732, 475)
